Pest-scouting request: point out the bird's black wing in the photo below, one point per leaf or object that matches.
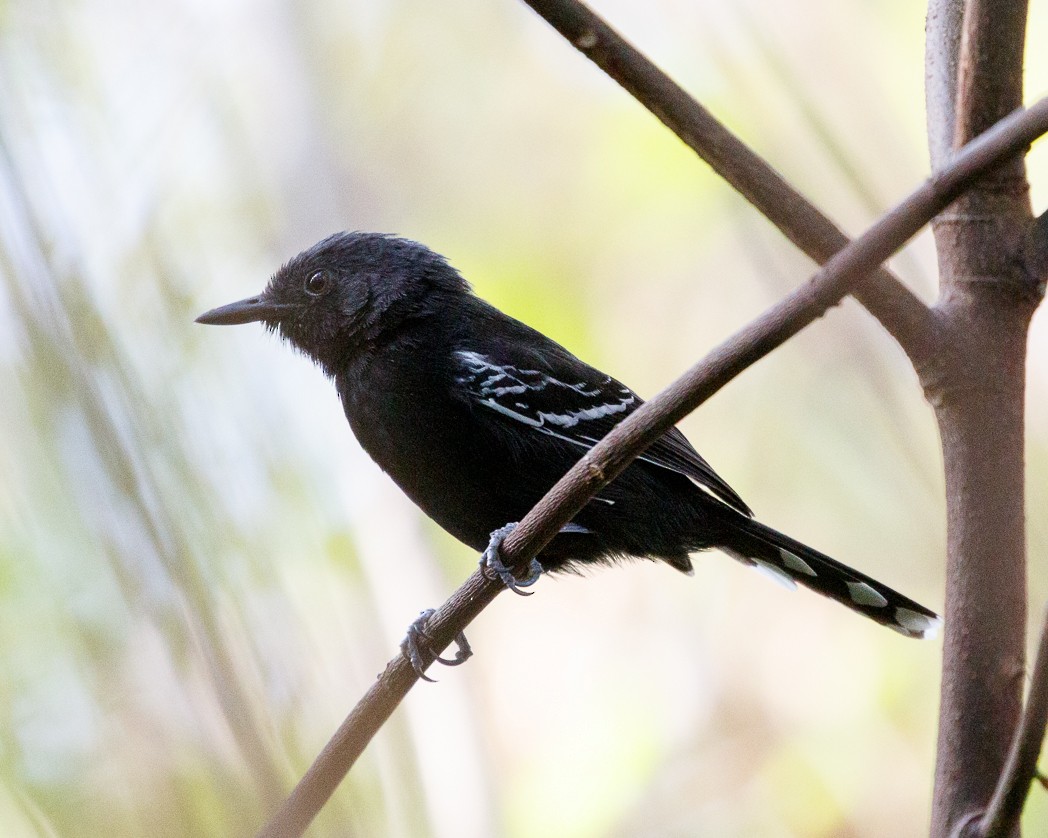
(553, 392)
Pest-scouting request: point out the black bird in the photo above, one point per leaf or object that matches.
(476, 415)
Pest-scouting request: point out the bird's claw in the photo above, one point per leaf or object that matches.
(492, 566)
(417, 642)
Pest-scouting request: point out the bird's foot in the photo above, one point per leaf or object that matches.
(416, 647)
(492, 566)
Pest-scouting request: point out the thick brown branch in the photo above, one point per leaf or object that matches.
(629, 439)
(1002, 815)
(900, 311)
(990, 73)
(985, 305)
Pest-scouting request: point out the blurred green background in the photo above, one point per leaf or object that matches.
(200, 571)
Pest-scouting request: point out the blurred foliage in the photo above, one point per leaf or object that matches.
(200, 572)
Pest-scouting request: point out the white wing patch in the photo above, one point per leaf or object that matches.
(580, 413)
(491, 383)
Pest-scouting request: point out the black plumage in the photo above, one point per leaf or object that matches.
(476, 415)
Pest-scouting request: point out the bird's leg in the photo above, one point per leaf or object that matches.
(491, 564)
(417, 640)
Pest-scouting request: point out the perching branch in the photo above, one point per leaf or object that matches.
(1002, 815)
(618, 449)
(898, 309)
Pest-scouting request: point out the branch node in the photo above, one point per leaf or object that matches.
(969, 826)
(593, 470)
(587, 40)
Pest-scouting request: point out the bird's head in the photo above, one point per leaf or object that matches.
(346, 290)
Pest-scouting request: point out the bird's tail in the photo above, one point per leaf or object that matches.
(790, 562)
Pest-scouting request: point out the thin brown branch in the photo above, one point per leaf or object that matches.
(942, 56)
(898, 309)
(618, 449)
(1002, 815)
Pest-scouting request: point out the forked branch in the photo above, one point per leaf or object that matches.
(1002, 815)
(897, 308)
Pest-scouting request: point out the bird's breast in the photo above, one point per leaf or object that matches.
(427, 442)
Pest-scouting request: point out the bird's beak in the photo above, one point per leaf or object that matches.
(246, 311)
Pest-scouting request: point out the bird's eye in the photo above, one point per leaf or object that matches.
(318, 283)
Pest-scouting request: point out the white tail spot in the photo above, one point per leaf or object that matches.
(795, 562)
(863, 594)
(915, 624)
(776, 574)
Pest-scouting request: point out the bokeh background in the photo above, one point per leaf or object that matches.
(200, 572)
